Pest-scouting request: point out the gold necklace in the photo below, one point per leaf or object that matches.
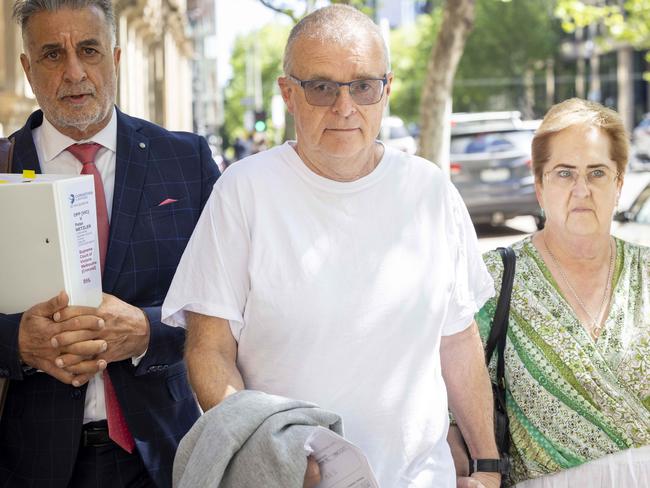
(596, 325)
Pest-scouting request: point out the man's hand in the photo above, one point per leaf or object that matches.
(312, 473)
(124, 334)
(479, 480)
(35, 345)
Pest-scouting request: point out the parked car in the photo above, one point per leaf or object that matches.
(477, 121)
(634, 224)
(641, 139)
(490, 164)
(394, 133)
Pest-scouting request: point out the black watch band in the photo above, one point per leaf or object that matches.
(485, 465)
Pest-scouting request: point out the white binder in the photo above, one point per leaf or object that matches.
(48, 243)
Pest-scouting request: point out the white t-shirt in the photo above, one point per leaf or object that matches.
(338, 293)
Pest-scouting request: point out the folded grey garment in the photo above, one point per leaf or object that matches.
(250, 440)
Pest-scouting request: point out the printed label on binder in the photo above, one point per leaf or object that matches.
(84, 219)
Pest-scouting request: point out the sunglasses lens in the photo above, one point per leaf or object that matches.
(323, 93)
(367, 92)
(320, 93)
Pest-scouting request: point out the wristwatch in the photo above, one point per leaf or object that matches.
(488, 465)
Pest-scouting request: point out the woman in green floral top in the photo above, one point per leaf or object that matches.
(578, 350)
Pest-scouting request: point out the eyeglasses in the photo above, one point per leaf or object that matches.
(568, 177)
(323, 93)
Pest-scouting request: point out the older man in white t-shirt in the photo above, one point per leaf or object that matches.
(339, 271)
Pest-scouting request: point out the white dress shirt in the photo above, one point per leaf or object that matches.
(51, 147)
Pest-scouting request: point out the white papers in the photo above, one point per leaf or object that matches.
(341, 463)
(49, 241)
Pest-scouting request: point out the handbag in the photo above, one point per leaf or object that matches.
(497, 342)
(6, 156)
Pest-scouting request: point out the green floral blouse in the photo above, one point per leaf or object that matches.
(572, 399)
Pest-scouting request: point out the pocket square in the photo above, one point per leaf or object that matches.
(167, 201)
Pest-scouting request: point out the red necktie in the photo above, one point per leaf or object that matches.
(85, 153)
(117, 428)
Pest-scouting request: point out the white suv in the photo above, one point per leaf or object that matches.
(394, 133)
(641, 138)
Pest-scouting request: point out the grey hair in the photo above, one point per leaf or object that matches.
(339, 24)
(24, 9)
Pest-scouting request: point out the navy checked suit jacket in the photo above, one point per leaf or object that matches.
(41, 425)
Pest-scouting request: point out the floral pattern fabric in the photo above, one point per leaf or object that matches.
(572, 399)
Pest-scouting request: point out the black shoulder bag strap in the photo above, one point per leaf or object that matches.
(500, 321)
(6, 154)
(497, 340)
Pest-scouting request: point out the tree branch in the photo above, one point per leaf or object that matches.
(286, 11)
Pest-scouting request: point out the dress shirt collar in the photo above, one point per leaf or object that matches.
(53, 142)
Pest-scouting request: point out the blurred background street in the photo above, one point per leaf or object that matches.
(210, 66)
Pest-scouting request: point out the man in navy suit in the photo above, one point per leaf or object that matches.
(68, 366)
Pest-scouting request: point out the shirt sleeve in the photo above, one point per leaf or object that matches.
(212, 277)
(473, 284)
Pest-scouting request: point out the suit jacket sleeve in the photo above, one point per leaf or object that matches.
(167, 342)
(10, 366)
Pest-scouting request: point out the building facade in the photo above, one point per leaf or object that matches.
(155, 73)
(207, 100)
(16, 97)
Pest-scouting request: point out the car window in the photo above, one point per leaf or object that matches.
(491, 142)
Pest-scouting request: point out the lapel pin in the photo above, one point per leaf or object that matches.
(142, 145)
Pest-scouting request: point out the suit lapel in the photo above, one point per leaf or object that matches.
(130, 172)
(25, 155)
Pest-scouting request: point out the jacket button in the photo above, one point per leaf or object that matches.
(4, 372)
(75, 393)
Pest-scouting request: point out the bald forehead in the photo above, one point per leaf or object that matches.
(336, 25)
(365, 52)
